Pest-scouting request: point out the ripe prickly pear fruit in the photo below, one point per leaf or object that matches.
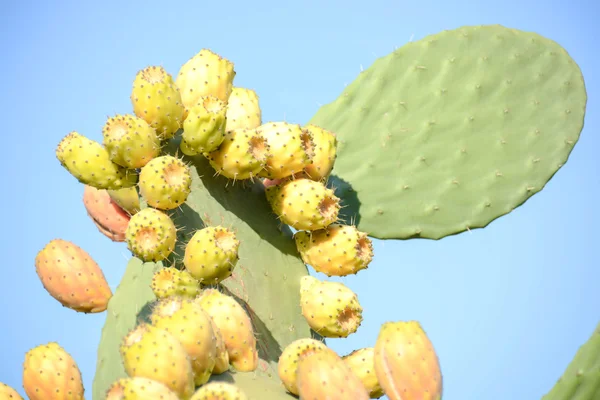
(72, 277)
(290, 149)
(337, 250)
(156, 99)
(49, 372)
(330, 308)
(304, 204)
(8, 393)
(287, 367)
(222, 358)
(168, 282)
(204, 127)
(153, 353)
(324, 375)
(139, 388)
(325, 150)
(110, 219)
(205, 74)
(211, 254)
(406, 364)
(190, 324)
(243, 110)
(362, 364)
(127, 198)
(165, 182)
(235, 326)
(130, 141)
(219, 391)
(90, 163)
(151, 235)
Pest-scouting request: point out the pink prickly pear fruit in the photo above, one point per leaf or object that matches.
(190, 324)
(8, 393)
(271, 182)
(362, 364)
(324, 375)
(325, 149)
(406, 364)
(219, 391)
(72, 277)
(235, 326)
(110, 219)
(153, 353)
(49, 372)
(287, 367)
(138, 388)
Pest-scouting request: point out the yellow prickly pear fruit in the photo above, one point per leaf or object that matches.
(204, 127)
(324, 375)
(151, 235)
(330, 308)
(406, 364)
(139, 388)
(304, 204)
(287, 367)
(290, 149)
(211, 254)
(242, 155)
(222, 360)
(157, 100)
(219, 391)
(337, 250)
(49, 372)
(235, 326)
(362, 364)
(72, 277)
(168, 282)
(90, 163)
(8, 393)
(165, 182)
(190, 324)
(153, 353)
(243, 109)
(130, 141)
(127, 198)
(207, 73)
(325, 150)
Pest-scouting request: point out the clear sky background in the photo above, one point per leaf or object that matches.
(506, 307)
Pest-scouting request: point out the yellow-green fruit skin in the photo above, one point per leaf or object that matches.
(243, 109)
(242, 155)
(130, 141)
(219, 391)
(287, 366)
(362, 364)
(325, 153)
(168, 282)
(165, 182)
(204, 127)
(222, 357)
(139, 388)
(151, 235)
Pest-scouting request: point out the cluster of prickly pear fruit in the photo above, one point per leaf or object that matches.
(198, 331)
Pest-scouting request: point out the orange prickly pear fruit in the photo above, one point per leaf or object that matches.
(110, 219)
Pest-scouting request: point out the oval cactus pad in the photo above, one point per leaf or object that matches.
(450, 132)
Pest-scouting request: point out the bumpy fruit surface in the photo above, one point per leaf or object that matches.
(90, 163)
(406, 364)
(205, 74)
(110, 219)
(156, 99)
(8, 393)
(362, 364)
(222, 357)
(127, 198)
(204, 127)
(242, 155)
(219, 391)
(49, 372)
(139, 388)
(165, 182)
(190, 324)
(211, 254)
(235, 326)
(72, 277)
(325, 151)
(243, 109)
(330, 308)
(337, 250)
(151, 235)
(290, 149)
(168, 282)
(304, 204)
(324, 375)
(153, 353)
(287, 367)
(130, 141)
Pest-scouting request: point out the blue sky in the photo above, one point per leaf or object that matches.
(506, 307)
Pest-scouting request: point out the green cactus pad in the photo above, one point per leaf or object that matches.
(266, 279)
(450, 132)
